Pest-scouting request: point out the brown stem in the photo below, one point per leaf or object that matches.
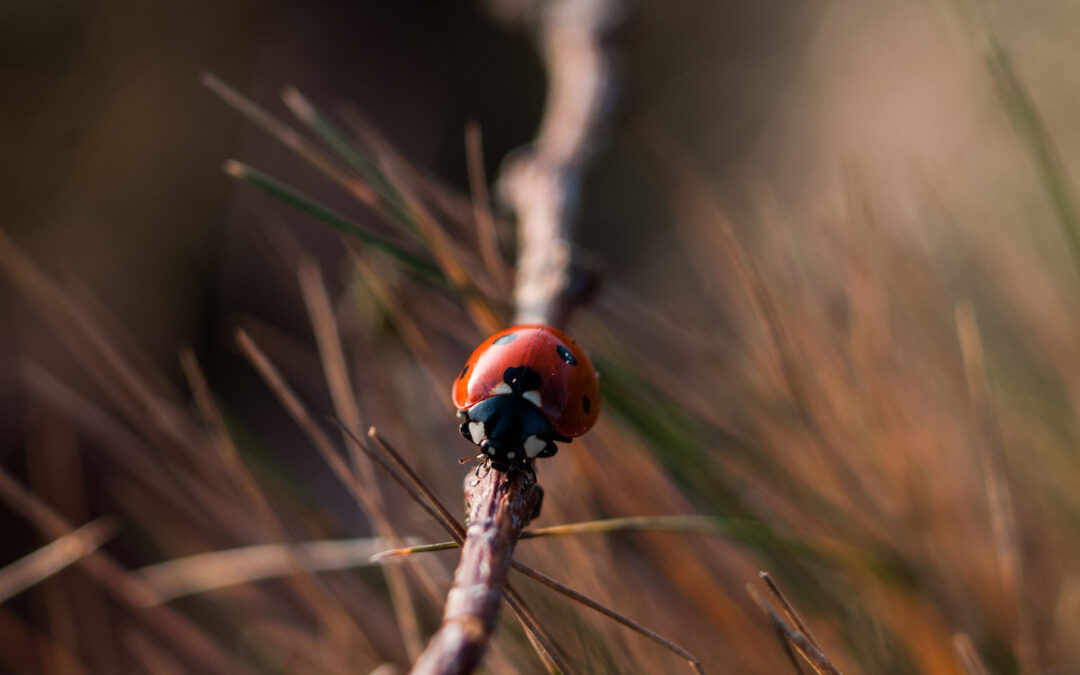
(499, 506)
(541, 185)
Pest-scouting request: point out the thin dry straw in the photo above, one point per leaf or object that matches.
(296, 409)
(329, 132)
(968, 655)
(130, 589)
(705, 525)
(481, 201)
(336, 220)
(409, 331)
(58, 554)
(611, 614)
(336, 372)
(211, 571)
(789, 611)
(284, 393)
(292, 140)
(423, 490)
(315, 597)
(422, 495)
(806, 648)
(991, 457)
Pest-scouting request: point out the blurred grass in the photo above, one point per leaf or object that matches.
(839, 439)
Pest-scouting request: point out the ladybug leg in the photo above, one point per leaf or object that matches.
(549, 450)
(539, 502)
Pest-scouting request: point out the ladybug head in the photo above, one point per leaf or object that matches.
(510, 428)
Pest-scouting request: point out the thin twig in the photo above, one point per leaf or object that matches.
(418, 490)
(542, 186)
(705, 525)
(807, 649)
(789, 610)
(592, 604)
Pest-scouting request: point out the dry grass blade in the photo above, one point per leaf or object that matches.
(807, 649)
(336, 371)
(706, 525)
(55, 556)
(421, 488)
(695, 665)
(998, 495)
(486, 233)
(299, 412)
(128, 588)
(292, 140)
(789, 610)
(173, 483)
(302, 202)
(443, 249)
(438, 241)
(973, 665)
(306, 112)
(407, 328)
(211, 571)
(158, 415)
(317, 599)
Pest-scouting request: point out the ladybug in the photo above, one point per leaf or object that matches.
(523, 389)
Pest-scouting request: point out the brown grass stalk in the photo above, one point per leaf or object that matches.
(335, 369)
(789, 634)
(126, 587)
(54, 556)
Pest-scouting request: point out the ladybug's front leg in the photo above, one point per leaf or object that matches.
(539, 502)
(549, 449)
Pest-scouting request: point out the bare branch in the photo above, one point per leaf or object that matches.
(542, 185)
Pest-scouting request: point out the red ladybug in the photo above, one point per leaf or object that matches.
(523, 389)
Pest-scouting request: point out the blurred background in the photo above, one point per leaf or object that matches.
(840, 251)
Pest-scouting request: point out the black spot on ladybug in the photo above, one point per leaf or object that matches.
(521, 379)
(586, 404)
(463, 371)
(565, 355)
(505, 339)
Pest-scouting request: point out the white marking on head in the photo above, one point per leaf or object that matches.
(476, 430)
(511, 455)
(534, 446)
(532, 397)
(500, 388)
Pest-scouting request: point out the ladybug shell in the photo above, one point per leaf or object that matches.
(569, 389)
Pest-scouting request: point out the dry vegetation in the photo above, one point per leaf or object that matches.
(873, 403)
